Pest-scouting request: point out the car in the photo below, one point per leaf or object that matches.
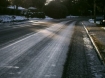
(102, 22)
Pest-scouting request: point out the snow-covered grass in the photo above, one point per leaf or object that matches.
(20, 18)
(71, 16)
(92, 21)
(8, 18)
(97, 22)
(98, 19)
(48, 17)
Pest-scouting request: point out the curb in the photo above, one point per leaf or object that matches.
(93, 43)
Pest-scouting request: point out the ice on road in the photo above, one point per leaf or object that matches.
(41, 55)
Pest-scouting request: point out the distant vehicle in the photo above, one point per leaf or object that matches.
(99, 18)
(34, 14)
(102, 22)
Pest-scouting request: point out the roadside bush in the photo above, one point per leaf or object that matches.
(7, 11)
(55, 10)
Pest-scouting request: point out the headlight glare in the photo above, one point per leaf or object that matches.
(103, 20)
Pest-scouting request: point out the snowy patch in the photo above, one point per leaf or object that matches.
(8, 18)
(71, 16)
(97, 69)
(103, 28)
(53, 65)
(87, 23)
(87, 42)
(19, 8)
(15, 67)
(92, 21)
(48, 17)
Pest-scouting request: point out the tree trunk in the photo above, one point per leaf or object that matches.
(94, 11)
(16, 9)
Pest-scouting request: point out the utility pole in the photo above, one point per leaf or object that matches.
(94, 11)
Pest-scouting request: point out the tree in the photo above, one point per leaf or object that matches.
(16, 3)
(55, 10)
(100, 6)
(23, 3)
(4, 3)
(26, 3)
(39, 3)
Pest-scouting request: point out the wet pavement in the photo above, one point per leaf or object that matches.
(43, 54)
(40, 55)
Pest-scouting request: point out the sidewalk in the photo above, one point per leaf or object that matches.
(97, 33)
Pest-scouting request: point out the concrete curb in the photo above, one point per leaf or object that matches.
(93, 43)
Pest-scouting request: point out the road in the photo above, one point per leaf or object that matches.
(34, 51)
(48, 49)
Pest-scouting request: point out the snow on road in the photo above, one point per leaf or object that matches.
(40, 55)
(52, 57)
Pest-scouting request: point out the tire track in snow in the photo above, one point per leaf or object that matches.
(20, 47)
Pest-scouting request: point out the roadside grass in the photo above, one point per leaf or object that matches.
(100, 46)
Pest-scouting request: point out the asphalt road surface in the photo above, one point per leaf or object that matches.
(35, 51)
(42, 49)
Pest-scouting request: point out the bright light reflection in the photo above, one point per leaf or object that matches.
(48, 1)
